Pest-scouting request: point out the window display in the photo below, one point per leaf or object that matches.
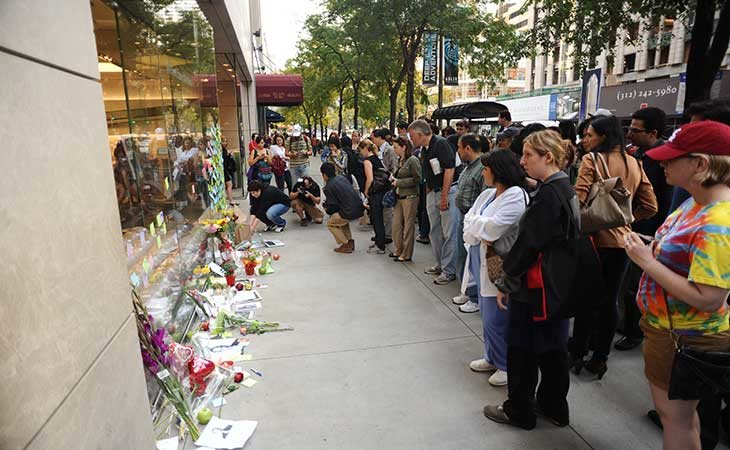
(156, 64)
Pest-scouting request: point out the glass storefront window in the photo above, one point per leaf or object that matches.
(157, 65)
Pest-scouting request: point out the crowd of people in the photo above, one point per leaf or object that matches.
(541, 227)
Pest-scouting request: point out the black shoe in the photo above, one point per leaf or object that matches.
(423, 240)
(596, 367)
(576, 364)
(389, 241)
(627, 343)
(655, 419)
(393, 255)
(555, 421)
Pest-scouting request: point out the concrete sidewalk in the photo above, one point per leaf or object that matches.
(379, 360)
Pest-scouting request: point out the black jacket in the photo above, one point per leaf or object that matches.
(662, 190)
(549, 247)
(342, 198)
(269, 197)
(354, 164)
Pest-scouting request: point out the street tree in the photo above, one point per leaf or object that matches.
(593, 26)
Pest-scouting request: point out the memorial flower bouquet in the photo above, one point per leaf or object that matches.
(229, 268)
(157, 360)
(250, 260)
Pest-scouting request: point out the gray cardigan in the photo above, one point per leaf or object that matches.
(408, 175)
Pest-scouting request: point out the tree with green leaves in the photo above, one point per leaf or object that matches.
(593, 26)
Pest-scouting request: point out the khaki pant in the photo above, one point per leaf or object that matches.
(404, 220)
(340, 228)
(300, 207)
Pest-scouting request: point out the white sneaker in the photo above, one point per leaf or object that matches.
(498, 378)
(278, 229)
(460, 299)
(482, 365)
(469, 307)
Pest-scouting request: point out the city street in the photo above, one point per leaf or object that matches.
(379, 359)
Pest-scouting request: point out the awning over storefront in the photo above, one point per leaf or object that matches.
(279, 90)
(475, 110)
(273, 116)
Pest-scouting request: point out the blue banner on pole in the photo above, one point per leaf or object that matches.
(430, 58)
(451, 62)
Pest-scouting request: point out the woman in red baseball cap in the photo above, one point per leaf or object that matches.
(684, 289)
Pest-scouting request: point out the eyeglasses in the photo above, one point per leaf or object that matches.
(633, 130)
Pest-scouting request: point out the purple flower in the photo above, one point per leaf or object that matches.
(149, 361)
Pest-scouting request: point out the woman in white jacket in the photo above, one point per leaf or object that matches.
(493, 215)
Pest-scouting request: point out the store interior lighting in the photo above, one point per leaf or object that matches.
(109, 67)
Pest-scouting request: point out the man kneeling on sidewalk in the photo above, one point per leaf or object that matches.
(343, 204)
(268, 204)
(305, 196)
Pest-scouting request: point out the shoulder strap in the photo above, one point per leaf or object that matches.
(596, 155)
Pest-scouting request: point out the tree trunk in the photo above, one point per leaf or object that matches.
(410, 90)
(321, 128)
(355, 104)
(706, 52)
(393, 105)
(410, 55)
(339, 115)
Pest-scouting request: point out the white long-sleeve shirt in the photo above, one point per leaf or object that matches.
(489, 225)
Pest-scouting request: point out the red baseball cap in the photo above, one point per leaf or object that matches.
(706, 136)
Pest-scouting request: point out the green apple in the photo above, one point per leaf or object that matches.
(204, 416)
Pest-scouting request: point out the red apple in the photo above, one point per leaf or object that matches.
(275, 256)
(239, 286)
(238, 377)
(243, 331)
(204, 326)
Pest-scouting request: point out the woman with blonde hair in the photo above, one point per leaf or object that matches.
(542, 275)
(684, 289)
(374, 192)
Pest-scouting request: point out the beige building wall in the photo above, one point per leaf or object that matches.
(73, 376)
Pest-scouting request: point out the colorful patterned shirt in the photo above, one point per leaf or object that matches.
(694, 242)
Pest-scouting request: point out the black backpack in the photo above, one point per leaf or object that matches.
(381, 181)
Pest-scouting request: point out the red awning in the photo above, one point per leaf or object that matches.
(279, 90)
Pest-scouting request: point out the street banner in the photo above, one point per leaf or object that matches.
(590, 94)
(430, 58)
(451, 62)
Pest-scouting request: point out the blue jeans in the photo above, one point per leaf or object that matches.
(494, 320)
(471, 291)
(444, 229)
(299, 172)
(274, 214)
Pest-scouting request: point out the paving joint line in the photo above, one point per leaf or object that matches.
(443, 302)
(349, 350)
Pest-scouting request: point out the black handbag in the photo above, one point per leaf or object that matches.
(696, 373)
